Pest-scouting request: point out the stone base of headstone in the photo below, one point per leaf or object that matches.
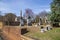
(42, 30)
(45, 29)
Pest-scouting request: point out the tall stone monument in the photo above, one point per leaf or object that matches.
(21, 19)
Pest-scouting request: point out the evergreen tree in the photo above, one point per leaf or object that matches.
(55, 8)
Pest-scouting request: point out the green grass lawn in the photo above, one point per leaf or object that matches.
(53, 34)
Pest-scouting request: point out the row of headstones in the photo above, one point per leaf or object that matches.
(22, 22)
(28, 22)
(46, 28)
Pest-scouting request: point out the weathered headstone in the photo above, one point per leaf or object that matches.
(29, 21)
(21, 22)
(48, 27)
(16, 19)
(36, 25)
(42, 29)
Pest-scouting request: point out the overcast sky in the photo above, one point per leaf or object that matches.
(15, 6)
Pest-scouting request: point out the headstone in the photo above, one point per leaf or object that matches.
(29, 22)
(48, 27)
(16, 19)
(36, 25)
(21, 23)
(40, 21)
(45, 29)
(42, 29)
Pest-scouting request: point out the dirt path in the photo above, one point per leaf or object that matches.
(13, 34)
